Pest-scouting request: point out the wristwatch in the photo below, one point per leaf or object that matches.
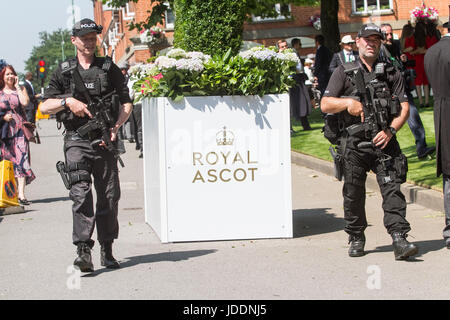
(63, 103)
(393, 131)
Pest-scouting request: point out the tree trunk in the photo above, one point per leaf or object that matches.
(329, 23)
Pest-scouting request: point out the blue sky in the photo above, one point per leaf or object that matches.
(22, 20)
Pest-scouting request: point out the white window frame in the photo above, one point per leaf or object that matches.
(127, 14)
(279, 18)
(376, 11)
(169, 26)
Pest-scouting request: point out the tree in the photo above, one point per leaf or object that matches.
(263, 8)
(329, 24)
(51, 50)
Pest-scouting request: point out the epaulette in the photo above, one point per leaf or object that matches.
(68, 65)
(107, 64)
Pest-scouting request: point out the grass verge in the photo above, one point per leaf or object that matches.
(420, 172)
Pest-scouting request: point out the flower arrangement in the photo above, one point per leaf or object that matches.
(423, 13)
(152, 36)
(314, 21)
(178, 73)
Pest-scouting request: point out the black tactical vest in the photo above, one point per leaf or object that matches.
(96, 80)
(382, 84)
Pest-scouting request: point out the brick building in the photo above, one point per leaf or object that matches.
(125, 45)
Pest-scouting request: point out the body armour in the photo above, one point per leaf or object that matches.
(96, 79)
(380, 82)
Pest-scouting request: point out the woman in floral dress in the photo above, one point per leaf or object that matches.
(14, 147)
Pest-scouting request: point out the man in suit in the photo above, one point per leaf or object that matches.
(31, 109)
(347, 54)
(322, 62)
(437, 68)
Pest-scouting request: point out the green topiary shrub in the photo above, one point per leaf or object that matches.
(211, 27)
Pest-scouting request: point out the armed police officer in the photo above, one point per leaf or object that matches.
(89, 97)
(368, 100)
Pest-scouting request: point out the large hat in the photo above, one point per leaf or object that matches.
(347, 39)
(370, 29)
(85, 26)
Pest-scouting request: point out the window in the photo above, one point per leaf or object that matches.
(169, 17)
(371, 6)
(278, 7)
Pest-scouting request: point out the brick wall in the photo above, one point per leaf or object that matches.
(267, 33)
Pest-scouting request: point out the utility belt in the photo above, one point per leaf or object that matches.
(73, 136)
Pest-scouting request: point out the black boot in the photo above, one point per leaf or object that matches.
(357, 243)
(402, 248)
(106, 257)
(84, 259)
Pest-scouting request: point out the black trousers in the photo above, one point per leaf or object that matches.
(104, 170)
(356, 165)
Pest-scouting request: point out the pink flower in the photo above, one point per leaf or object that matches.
(157, 77)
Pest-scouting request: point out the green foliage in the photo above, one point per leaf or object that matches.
(258, 71)
(50, 49)
(209, 26)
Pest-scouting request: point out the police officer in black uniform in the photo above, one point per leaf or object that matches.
(379, 152)
(83, 158)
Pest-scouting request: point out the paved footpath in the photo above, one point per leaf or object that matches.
(36, 252)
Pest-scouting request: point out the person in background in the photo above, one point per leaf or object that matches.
(302, 103)
(322, 63)
(347, 54)
(15, 148)
(31, 109)
(437, 67)
(391, 52)
(127, 131)
(417, 47)
(137, 115)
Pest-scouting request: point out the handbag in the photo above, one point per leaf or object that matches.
(29, 132)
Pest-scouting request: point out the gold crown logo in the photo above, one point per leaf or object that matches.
(224, 137)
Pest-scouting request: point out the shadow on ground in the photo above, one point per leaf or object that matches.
(48, 200)
(156, 257)
(308, 222)
(424, 247)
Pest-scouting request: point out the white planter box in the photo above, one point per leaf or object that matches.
(218, 168)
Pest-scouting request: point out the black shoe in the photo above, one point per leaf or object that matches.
(84, 259)
(141, 155)
(106, 258)
(447, 244)
(427, 152)
(24, 202)
(402, 248)
(357, 243)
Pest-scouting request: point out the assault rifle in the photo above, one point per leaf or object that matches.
(376, 109)
(101, 121)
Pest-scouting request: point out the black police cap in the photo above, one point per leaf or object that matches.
(370, 29)
(85, 26)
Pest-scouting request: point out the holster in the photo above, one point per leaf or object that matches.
(338, 163)
(61, 168)
(71, 175)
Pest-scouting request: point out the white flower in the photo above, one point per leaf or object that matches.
(176, 53)
(197, 55)
(164, 62)
(189, 64)
(288, 56)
